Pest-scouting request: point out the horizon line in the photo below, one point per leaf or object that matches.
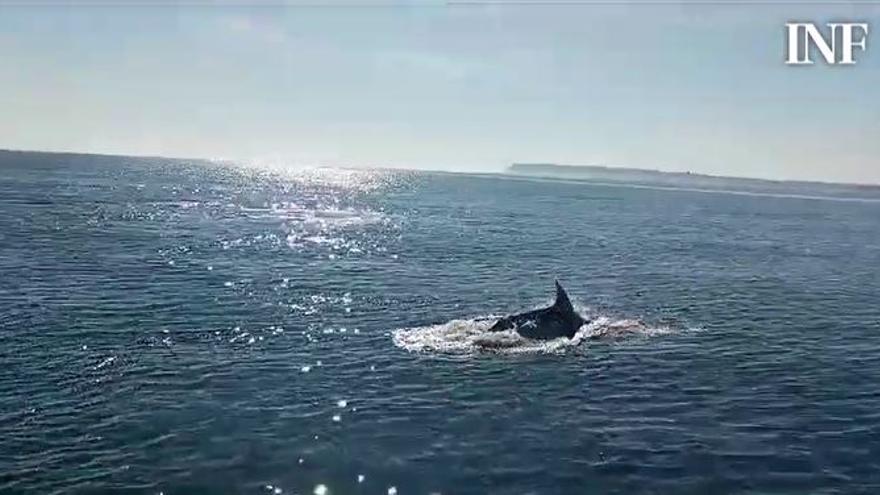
(503, 171)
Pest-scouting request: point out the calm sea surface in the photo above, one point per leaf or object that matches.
(189, 328)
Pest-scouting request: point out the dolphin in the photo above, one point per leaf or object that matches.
(558, 320)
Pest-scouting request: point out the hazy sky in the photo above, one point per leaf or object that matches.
(426, 85)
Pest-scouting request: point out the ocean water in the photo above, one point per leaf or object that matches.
(184, 327)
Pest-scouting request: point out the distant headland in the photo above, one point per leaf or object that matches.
(657, 178)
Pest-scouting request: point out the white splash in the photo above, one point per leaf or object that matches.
(468, 336)
(106, 362)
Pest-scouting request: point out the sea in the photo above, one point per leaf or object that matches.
(194, 327)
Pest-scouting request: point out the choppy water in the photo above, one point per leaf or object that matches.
(186, 328)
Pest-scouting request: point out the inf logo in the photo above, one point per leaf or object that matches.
(837, 49)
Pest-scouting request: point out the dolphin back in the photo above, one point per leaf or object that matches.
(558, 320)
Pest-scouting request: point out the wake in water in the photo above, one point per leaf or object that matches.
(467, 336)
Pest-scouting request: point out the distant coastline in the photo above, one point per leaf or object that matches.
(639, 176)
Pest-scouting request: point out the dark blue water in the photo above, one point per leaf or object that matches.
(183, 328)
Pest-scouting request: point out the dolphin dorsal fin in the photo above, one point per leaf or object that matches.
(562, 303)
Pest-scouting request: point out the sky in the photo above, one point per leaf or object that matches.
(475, 86)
